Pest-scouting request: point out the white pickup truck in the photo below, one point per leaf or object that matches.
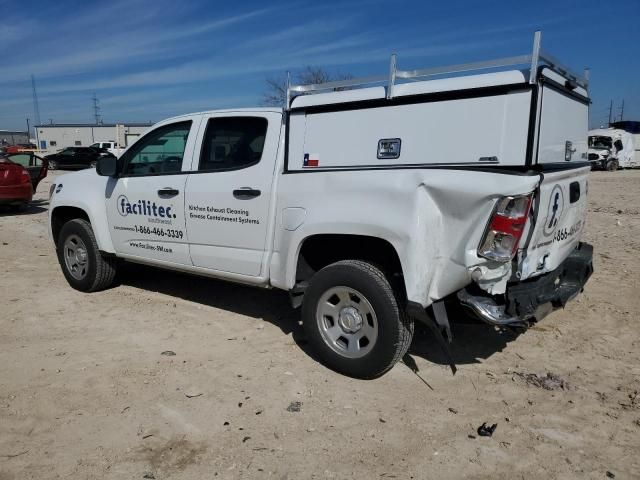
(372, 201)
(110, 146)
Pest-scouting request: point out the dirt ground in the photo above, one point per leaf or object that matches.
(86, 391)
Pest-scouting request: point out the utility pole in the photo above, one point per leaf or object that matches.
(28, 132)
(622, 109)
(96, 109)
(36, 108)
(610, 111)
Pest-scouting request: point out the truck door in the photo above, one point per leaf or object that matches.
(145, 204)
(229, 192)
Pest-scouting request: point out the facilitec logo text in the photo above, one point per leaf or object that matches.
(143, 207)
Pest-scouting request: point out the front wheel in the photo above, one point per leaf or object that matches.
(612, 165)
(82, 264)
(354, 321)
(53, 165)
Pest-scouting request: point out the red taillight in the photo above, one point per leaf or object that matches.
(25, 177)
(505, 229)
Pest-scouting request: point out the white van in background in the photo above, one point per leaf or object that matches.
(632, 127)
(611, 149)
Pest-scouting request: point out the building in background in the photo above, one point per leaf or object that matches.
(53, 137)
(11, 137)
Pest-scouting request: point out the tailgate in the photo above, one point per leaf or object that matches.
(561, 199)
(560, 212)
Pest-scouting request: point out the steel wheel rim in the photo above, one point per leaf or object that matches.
(75, 257)
(347, 322)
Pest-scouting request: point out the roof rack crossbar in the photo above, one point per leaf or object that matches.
(351, 82)
(533, 60)
(553, 62)
(464, 67)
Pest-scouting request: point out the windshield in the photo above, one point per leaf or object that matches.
(600, 142)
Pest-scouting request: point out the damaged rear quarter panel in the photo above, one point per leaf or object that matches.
(434, 218)
(464, 201)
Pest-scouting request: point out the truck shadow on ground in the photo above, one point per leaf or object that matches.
(472, 340)
(36, 206)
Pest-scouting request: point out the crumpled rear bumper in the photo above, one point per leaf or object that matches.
(533, 299)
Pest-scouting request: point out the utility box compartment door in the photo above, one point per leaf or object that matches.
(464, 130)
(563, 125)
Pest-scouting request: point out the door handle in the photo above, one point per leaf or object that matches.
(246, 193)
(168, 192)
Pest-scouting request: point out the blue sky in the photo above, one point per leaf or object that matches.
(147, 60)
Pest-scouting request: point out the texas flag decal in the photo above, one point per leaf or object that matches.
(311, 160)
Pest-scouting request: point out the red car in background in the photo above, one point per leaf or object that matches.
(21, 147)
(20, 174)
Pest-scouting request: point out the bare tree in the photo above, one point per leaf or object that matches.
(276, 90)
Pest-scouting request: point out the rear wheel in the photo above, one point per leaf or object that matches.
(83, 265)
(354, 321)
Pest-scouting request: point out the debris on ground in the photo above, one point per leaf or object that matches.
(294, 407)
(168, 353)
(634, 401)
(486, 431)
(148, 475)
(550, 381)
(193, 393)
(245, 439)
(610, 474)
(453, 410)
(14, 455)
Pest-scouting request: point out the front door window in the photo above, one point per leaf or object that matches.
(160, 152)
(146, 203)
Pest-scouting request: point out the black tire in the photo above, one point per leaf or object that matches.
(53, 165)
(100, 271)
(612, 165)
(394, 327)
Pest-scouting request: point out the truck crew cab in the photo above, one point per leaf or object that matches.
(369, 200)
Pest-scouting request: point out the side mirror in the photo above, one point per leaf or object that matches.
(107, 166)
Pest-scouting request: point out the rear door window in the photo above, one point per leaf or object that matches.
(232, 143)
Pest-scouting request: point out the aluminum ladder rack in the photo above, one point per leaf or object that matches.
(533, 60)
